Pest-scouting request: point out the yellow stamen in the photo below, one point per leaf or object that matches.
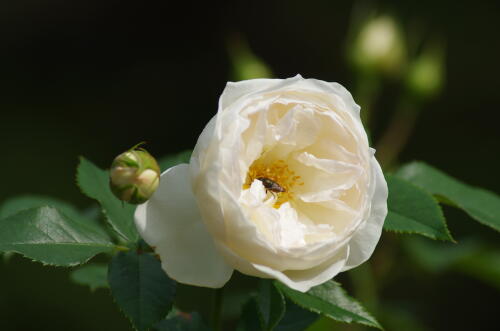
(278, 172)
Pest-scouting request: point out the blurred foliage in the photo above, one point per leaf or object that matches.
(245, 64)
(85, 78)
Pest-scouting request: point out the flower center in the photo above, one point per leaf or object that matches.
(277, 178)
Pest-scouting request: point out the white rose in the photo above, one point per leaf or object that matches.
(300, 136)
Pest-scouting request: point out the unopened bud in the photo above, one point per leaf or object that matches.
(134, 176)
(379, 46)
(425, 76)
(246, 64)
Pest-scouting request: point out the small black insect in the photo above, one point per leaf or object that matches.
(271, 185)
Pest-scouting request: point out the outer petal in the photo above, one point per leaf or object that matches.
(300, 280)
(303, 280)
(170, 222)
(363, 242)
(234, 90)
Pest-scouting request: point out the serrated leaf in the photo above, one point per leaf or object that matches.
(94, 276)
(182, 322)
(412, 210)
(174, 159)
(94, 182)
(296, 318)
(49, 236)
(16, 204)
(141, 288)
(330, 300)
(270, 304)
(480, 204)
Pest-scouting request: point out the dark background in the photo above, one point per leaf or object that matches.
(93, 78)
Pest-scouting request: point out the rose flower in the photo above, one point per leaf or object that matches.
(282, 184)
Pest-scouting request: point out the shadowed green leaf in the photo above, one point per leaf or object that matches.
(174, 159)
(141, 288)
(249, 319)
(330, 300)
(95, 276)
(296, 318)
(94, 183)
(49, 236)
(412, 210)
(180, 321)
(481, 205)
(436, 256)
(484, 265)
(270, 305)
(470, 256)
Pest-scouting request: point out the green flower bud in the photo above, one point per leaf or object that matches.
(134, 176)
(246, 64)
(425, 76)
(379, 46)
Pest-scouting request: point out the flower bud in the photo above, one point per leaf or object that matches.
(246, 64)
(134, 176)
(425, 75)
(379, 46)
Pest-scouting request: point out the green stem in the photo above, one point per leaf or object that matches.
(367, 90)
(121, 248)
(395, 138)
(217, 309)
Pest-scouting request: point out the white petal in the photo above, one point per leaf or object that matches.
(303, 280)
(202, 147)
(170, 222)
(234, 90)
(337, 90)
(365, 239)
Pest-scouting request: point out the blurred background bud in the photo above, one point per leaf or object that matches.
(134, 176)
(425, 75)
(245, 64)
(377, 45)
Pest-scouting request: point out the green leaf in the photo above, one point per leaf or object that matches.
(13, 205)
(484, 265)
(481, 205)
(174, 159)
(49, 236)
(182, 322)
(436, 256)
(330, 300)
(296, 318)
(412, 210)
(16, 204)
(95, 276)
(141, 288)
(471, 256)
(250, 319)
(270, 305)
(94, 183)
